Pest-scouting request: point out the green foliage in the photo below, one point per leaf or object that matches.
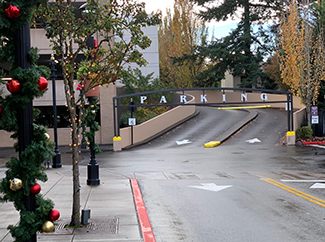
(243, 50)
(88, 117)
(112, 19)
(124, 119)
(119, 27)
(305, 132)
(30, 222)
(29, 168)
(9, 26)
(28, 79)
(142, 114)
(135, 82)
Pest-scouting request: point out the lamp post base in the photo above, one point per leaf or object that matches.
(93, 174)
(57, 161)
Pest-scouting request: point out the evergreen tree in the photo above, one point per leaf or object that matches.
(242, 51)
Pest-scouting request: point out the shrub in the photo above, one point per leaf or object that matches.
(135, 82)
(124, 119)
(305, 132)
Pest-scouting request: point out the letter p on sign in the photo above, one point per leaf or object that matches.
(142, 99)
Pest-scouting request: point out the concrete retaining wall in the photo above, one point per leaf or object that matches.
(156, 125)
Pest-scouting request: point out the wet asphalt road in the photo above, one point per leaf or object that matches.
(248, 208)
(207, 126)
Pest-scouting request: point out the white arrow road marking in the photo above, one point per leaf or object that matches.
(183, 142)
(318, 185)
(252, 141)
(211, 187)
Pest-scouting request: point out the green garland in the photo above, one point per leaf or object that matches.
(89, 116)
(29, 168)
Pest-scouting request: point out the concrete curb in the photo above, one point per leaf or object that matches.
(143, 217)
(226, 135)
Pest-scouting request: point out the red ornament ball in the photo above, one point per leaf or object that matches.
(35, 189)
(12, 11)
(42, 84)
(54, 214)
(0, 110)
(13, 86)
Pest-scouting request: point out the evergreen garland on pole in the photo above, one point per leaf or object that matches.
(26, 84)
(88, 117)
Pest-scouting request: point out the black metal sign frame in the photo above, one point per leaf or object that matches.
(117, 105)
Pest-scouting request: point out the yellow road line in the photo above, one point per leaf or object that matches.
(267, 106)
(296, 192)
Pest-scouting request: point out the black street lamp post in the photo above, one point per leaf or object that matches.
(93, 167)
(25, 115)
(57, 157)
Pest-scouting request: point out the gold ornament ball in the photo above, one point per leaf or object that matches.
(87, 143)
(48, 227)
(92, 106)
(15, 184)
(47, 137)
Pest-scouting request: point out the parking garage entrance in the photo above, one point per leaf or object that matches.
(211, 96)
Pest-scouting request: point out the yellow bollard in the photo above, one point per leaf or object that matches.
(117, 143)
(291, 138)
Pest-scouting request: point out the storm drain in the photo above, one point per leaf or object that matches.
(109, 226)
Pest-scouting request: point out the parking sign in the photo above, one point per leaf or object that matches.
(314, 115)
(132, 121)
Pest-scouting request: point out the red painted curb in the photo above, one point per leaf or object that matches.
(313, 142)
(145, 225)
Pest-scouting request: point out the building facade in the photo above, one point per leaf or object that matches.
(105, 116)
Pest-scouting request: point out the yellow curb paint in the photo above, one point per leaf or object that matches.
(267, 106)
(296, 192)
(291, 133)
(212, 144)
(117, 138)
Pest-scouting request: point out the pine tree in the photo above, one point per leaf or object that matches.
(242, 51)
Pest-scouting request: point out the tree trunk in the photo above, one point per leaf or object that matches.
(75, 217)
(308, 107)
(247, 40)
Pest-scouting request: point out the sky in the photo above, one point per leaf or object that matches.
(219, 29)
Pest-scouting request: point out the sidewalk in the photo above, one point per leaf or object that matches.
(113, 215)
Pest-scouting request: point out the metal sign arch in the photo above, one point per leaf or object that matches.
(182, 92)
